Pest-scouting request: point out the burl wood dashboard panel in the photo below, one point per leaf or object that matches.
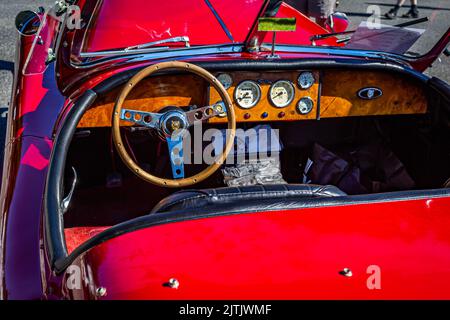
(338, 96)
(152, 95)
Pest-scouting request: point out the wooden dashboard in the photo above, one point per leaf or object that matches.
(335, 93)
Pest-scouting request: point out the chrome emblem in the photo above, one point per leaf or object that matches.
(370, 93)
(175, 125)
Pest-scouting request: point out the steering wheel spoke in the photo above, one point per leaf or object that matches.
(175, 144)
(205, 113)
(143, 118)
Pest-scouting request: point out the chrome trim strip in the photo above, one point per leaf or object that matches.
(114, 53)
(340, 52)
(219, 19)
(369, 93)
(184, 39)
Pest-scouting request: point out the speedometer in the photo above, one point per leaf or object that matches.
(282, 93)
(247, 94)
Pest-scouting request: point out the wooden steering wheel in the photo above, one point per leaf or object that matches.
(171, 124)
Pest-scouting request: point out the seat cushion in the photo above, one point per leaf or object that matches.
(247, 195)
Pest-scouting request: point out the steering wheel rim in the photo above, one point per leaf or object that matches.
(117, 137)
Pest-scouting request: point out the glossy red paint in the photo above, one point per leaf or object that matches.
(139, 23)
(39, 104)
(305, 29)
(36, 106)
(22, 190)
(133, 27)
(294, 254)
(425, 61)
(38, 100)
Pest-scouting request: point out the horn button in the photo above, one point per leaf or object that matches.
(173, 121)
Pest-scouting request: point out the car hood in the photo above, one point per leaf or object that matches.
(205, 22)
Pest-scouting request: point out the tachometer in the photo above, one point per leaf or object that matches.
(306, 80)
(281, 93)
(247, 94)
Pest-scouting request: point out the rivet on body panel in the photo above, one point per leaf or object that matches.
(100, 292)
(172, 283)
(346, 272)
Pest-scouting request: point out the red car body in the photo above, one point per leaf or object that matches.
(290, 254)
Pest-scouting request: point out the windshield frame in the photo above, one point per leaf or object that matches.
(151, 54)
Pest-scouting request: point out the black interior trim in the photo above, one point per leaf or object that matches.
(277, 193)
(54, 225)
(53, 213)
(442, 87)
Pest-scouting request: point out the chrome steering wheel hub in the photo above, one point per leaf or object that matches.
(173, 121)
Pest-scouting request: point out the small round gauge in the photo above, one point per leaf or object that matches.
(305, 105)
(281, 93)
(247, 94)
(306, 80)
(226, 80)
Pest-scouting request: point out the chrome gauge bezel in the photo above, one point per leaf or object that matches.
(305, 99)
(291, 98)
(222, 75)
(239, 86)
(310, 85)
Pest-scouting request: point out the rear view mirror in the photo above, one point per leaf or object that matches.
(27, 22)
(277, 24)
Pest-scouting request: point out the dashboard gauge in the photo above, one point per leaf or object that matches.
(281, 93)
(226, 80)
(306, 80)
(247, 94)
(305, 105)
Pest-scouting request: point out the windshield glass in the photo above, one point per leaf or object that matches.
(120, 24)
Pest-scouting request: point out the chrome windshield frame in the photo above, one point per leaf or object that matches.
(237, 48)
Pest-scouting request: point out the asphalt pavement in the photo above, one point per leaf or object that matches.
(437, 10)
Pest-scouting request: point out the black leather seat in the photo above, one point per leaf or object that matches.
(248, 196)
